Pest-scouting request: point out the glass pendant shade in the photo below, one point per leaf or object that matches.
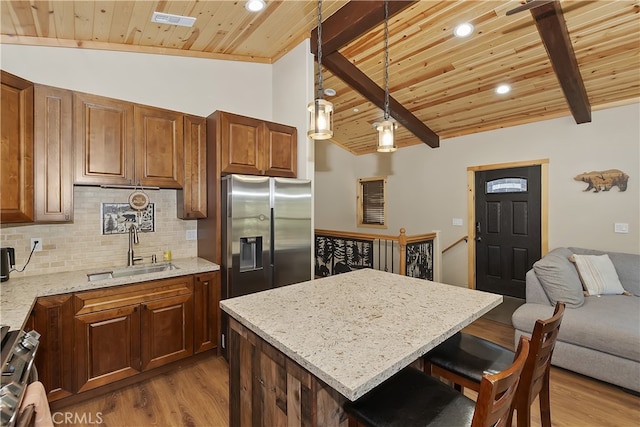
(320, 119)
(386, 139)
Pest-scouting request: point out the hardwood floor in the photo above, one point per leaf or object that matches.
(197, 395)
(194, 395)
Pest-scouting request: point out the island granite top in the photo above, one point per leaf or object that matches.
(355, 330)
(17, 295)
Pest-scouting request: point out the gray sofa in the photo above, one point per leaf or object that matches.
(600, 335)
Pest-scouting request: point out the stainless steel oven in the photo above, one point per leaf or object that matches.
(18, 371)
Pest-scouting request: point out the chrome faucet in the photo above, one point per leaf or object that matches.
(133, 240)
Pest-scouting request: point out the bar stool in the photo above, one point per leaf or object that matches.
(463, 359)
(412, 398)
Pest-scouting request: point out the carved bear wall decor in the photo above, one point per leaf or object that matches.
(604, 180)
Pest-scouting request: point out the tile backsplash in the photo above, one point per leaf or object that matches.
(81, 245)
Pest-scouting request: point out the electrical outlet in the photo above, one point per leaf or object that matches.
(192, 234)
(456, 221)
(39, 244)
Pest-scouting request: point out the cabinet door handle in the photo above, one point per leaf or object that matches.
(135, 309)
(144, 306)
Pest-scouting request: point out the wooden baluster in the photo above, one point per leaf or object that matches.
(402, 242)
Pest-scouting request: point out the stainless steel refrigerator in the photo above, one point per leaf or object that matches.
(266, 233)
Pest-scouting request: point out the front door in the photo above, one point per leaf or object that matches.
(508, 228)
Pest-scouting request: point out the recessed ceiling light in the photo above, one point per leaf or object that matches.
(167, 18)
(355, 110)
(255, 5)
(330, 92)
(463, 30)
(502, 89)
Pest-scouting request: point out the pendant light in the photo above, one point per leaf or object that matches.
(386, 128)
(320, 111)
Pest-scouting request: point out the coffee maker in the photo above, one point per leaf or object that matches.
(7, 262)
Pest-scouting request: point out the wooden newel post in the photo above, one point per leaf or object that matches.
(402, 242)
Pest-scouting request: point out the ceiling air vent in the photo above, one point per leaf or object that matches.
(167, 18)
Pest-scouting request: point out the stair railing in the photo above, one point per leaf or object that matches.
(341, 251)
(460, 240)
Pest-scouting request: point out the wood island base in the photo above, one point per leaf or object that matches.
(266, 388)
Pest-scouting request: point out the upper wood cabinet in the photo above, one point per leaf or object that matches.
(53, 154)
(159, 147)
(256, 147)
(280, 150)
(16, 168)
(120, 143)
(103, 129)
(192, 199)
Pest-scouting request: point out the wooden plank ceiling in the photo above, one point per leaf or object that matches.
(445, 82)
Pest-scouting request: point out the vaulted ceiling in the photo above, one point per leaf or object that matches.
(446, 83)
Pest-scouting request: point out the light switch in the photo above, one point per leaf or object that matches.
(457, 221)
(621, 227)
(192, 234)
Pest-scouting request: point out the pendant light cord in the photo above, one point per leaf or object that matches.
(320, 90)
(386, 60)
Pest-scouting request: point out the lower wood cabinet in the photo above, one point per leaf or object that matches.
(107, 346)
(122, 331)
(206, 289)
(93, 338)
(166, 331)
(52, 317)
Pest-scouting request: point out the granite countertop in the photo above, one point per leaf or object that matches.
(357, 329)
(18, 295)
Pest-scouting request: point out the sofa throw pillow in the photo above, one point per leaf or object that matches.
(627, 266)
(559, 278)
(598, 275)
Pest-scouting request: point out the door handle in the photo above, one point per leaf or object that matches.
(478, 231)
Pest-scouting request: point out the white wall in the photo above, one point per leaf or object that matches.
(191, 85)
(292, 91)
(426, 187)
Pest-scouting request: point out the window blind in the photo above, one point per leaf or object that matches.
(373, 202)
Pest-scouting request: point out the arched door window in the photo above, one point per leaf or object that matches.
(507, 185)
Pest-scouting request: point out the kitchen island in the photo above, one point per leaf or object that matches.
(296, 353)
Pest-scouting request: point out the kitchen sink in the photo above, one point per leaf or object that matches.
(131, 271)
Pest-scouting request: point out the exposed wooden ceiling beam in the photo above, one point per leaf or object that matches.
(351, 21)
(347, 24)
(351, 75)
(555, 36)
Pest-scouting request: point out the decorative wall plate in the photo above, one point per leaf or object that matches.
(138, 200)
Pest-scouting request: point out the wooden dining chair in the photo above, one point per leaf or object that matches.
(412, 398)
(463, 359)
